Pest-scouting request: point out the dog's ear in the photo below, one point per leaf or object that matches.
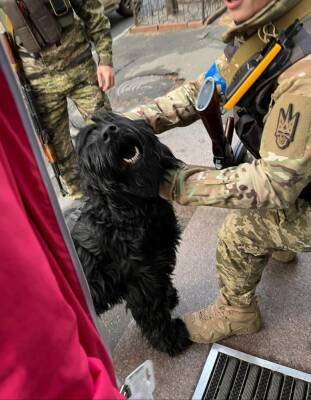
(83, 136)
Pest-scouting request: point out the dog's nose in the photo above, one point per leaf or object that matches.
(109, 130)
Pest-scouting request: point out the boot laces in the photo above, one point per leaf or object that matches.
(211, 312)
(217, 310)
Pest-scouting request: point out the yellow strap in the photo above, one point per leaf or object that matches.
(258, 71)
(253, 45)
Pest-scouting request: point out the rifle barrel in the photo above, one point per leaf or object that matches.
(208, 107)
(229, 129)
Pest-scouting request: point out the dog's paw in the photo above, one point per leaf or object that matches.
(176, 339)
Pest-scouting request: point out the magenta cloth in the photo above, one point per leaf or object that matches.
(49, 346)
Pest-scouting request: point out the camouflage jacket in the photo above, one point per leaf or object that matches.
(75, 48)
(275, 180)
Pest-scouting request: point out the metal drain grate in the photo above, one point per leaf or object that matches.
(232, 375)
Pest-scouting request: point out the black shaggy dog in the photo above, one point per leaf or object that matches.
(126, 236)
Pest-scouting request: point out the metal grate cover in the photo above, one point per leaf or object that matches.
(232, 375)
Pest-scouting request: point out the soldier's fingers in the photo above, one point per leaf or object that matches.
(106, 84)
(99, 78)
(109, 79)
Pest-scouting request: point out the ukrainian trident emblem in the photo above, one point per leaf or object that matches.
(286, 127)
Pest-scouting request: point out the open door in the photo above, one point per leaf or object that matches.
(50, 344)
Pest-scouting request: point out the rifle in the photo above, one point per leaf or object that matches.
(208, 108)
(43, 134)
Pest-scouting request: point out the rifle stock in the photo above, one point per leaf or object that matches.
(43, 135)
(208, 108)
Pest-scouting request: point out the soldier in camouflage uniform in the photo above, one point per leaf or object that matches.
(270, 214)
(68, 70)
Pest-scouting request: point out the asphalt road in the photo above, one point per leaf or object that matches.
(119, 24)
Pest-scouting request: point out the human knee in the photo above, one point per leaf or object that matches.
(245, 231)
(230, 230)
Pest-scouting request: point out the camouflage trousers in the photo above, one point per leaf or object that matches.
(51, 90)
(247, 240)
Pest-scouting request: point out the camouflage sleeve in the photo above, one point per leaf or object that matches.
(172, 110)
(274, 181)
(97, 27)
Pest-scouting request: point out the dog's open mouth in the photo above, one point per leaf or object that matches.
(130, 153)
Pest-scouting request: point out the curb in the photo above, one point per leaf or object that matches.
(175, 26)
(169, 27)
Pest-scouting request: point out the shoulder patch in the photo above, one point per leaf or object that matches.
(286, 127)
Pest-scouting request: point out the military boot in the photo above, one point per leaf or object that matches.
(284, 256)
(221, 320)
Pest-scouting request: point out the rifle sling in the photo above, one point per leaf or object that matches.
(254, 45)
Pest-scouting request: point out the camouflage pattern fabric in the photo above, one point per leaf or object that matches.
(68, 70)
(267, 189)
(275, 180)
(248, 238)
(96, 26)
(172, 110)
(51, 92)
(92, 26)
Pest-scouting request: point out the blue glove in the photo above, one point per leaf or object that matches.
(219, 80)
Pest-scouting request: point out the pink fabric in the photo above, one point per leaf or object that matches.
(49, 347)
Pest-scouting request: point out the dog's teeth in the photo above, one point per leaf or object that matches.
(133, 159)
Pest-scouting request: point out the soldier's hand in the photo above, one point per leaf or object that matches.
(106, 77)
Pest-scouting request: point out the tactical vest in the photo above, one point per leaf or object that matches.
(37, 24)
(251, 110)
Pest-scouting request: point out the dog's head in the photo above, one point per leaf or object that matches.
(118, 155)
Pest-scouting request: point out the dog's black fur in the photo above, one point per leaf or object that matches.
(126, 236)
